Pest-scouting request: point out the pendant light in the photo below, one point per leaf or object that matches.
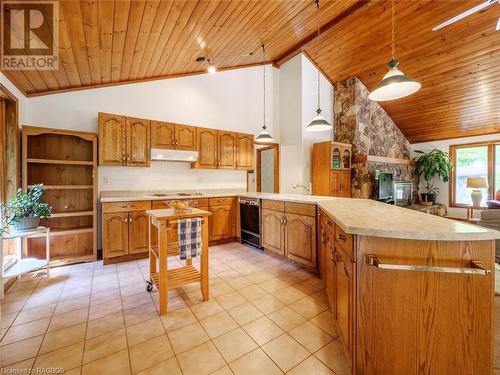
(318, 123)
(395, 83)
(264, 136)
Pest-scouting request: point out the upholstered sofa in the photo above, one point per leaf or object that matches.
(490, 218)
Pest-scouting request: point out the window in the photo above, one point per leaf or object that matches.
(474, 160)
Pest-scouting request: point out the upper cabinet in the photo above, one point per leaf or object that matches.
(244, 151)
(124, 141)
(207, 142)
(227, 150)
(173, 136)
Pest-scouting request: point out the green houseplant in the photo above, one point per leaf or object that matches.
(435, 163)
(25, 210)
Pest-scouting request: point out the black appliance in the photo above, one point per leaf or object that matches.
(250, 221)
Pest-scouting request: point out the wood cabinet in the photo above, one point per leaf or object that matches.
(226, 150)
(289, 229)
(222, 223)
(124, 141)
(173, 136)
(244, 151)
(207, 144)
(125, 229)
(331, 169)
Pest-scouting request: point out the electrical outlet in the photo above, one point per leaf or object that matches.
(106, 180)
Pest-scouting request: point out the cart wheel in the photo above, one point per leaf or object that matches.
(149, 286)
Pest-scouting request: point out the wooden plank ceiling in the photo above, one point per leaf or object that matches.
(111, 42)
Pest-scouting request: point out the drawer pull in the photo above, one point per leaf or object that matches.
(341, 237)
(476, 268)
(127, 206)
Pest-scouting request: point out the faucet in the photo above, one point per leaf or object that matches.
(307, 188)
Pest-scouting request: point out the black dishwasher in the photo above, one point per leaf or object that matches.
(250, 221)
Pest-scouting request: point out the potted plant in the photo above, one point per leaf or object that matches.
(25, 210)
(435, 163)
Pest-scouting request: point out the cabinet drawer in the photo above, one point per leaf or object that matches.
(221, 200)
(198, 203)
(326, 223)
(345, 240)
(126, 206)
(300, 208)
(273, 205)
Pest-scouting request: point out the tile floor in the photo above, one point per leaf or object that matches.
(265, 316)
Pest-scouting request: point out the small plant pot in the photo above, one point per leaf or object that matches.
(26, 223)
(428, 197)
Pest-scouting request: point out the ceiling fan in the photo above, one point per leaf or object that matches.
(477, 8)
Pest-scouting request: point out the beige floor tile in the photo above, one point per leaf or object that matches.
(68, 319)
(230, 300)
(263, 330)
(187, 337)
(75, 371)
(104, 325)
(307, 307)
(272, 285)
(37, 313)
(254, 363)
(136, 300)
(6, 320)
(177, 319)
(144, 331)
(25, 331)
(140, 314)
(311, 365)
(220, 289)
(11, 307)
(201, 360)
(232, 345)
(106, 296)
(245, 313)
(112, 307)
(326, 322)
(333, 355)
(288, 295)
(321, 298)
(68, 357)
(222, 371)
(20, 351)
(22, 367)
(268, 303)
(310, 336)
(72, 304)
(150, 353)
(168, 367)
(104, 345)
(252, 292)
(286, 318)
(42, 299)
(63, 337)
(219, 324)
(285, 352)
(114, 364)
(205, 309)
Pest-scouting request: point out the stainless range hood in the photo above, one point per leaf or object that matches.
(173, 155)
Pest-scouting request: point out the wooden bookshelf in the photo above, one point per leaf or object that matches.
(66, 163)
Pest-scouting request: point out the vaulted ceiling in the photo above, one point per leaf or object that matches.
(111, 42)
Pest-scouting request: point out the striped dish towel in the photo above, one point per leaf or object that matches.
(189, 237)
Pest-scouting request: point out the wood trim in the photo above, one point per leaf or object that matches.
(491, 169)
(383, 159)
(258, 181)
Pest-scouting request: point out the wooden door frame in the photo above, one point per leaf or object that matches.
(6, 95)
(276, 147)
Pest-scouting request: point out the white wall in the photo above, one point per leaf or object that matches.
(230, 100)
(445, 146)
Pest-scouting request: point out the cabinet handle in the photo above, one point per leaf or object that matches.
(476, 268)
(127, 206)
(341, 237)
(123, 158)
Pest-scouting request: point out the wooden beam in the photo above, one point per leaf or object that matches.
(383, 159)
(304, 43)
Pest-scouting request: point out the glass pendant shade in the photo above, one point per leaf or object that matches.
(395, 85)
(318, 123)
(264, 136)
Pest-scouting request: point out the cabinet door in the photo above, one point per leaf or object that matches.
(345, 184)
(138, 146)
(335, 181)
(185, 137)
(138, 234)
(115, 234)
(227, 150)
(273, 231)
(206, 140)
(344, 302)
(330, 268)
(300, 239)
(112, 139)
(244, 151)
(162, 135)
(222, 222)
